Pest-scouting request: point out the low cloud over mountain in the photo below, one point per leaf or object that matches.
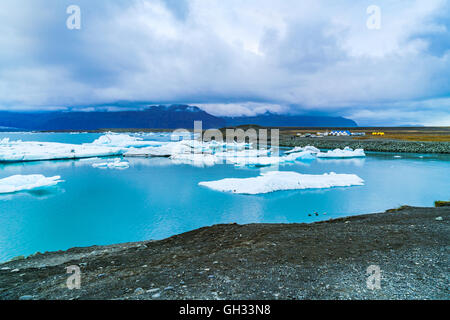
(302, 56)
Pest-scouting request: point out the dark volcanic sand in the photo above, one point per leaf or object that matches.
(326, 260)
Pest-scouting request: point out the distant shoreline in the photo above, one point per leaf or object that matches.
(323, 260)
(397, 140)
(375, 145)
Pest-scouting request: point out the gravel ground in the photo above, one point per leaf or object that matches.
(326, 260)
(380, 145)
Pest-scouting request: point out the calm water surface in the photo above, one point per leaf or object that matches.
(154, 198)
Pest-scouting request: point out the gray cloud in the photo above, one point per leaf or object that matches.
(248, 57)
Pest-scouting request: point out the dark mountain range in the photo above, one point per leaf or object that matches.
(276, 120)
(161, 117)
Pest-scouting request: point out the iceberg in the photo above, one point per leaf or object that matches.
(264, 161)
(283, 180)
(17, 151)
(112, 139)
(304, 155)
(346, 153)
(214, 152)
(303, 152)
(215, 146)
(166, 150)
(196, 159)
(117, 164)
(309, 149)
(220, 149)
(27, 182)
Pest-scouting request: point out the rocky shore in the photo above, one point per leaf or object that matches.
(326, 260)
(379, 145)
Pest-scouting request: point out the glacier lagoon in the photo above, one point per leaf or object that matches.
(156, 198)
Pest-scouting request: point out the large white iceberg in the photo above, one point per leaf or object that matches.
(27, 182)
(283, 180)
(346, 153)
(112, 139)
(15, 151)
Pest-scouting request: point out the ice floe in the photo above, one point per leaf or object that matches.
(191, 151)
(27, 182)
(210, 153)
(244, 153)
(166, 150)
(283, 180)
(257, 161)
(339, 153)
(116, 164)
(309, 149)
(304, 155)
(196, 159)
(15, 151)
(112, 139)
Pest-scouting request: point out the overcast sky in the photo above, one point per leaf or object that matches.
(232, 57)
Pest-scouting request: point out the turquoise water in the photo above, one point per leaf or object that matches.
(154, 198)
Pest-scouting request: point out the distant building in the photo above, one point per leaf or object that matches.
(345, 133)
(340, 133)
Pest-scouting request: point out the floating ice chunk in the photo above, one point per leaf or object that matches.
(237, 146)
(153, 134)
(198, 146)
(346, 153)
(196, 159)
(100, 165)
(116, 164)
(166, 150)
(16, 151)
(89, 159)
(309, 149)
(119, 165)
(305, 155)
(112, 139)
(27, 182)
(243, 153)
(217, 145)
(263, 161)
(257, 161)
(283, 180)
